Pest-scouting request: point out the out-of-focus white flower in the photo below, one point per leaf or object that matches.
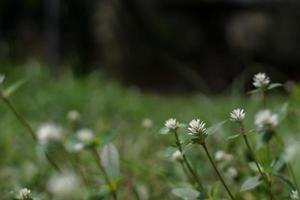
(24, 194)
(222, 155)
(2, 78)
(147, 123)
(197, 128)
(177, 156)
(237, 115)
(73, 115)
(265, 119)
(48, 132)
(261, 80)
(64, 185)
(85, 135)
(78, 147)
(294, 194)
(231, 173)
(171, 124)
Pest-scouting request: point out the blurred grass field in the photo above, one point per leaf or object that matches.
(116, 113)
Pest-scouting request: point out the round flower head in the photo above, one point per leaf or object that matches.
(171, 124)
(147, 123)
(237, 115)
(24, 194)
(85, 136)
(49, 132)
(265, 119)
(261, 80)
(64, 185)
(197, 128)
(294, 195)
(177, 156)
(73, 115)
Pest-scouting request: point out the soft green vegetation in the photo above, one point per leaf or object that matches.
(116, 115)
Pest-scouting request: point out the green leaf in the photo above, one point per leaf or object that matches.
(14, 87)
(164, 131)
(110, 160)
(250, 183)
(285, 180)
(274, 85)
(233, 137)
(263, 138)
(254, 91)
(282, 111)
(253, 166)
(186, 193)
(213, 129)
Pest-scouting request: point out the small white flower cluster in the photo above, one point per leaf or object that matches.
(231, 173)
(171, 124)
(73, 116)
(49, 132)
(261, 80)
(147, 123)
(265, 119)
(85, 136)
(237, 115)
(294, 195)
(197, 128)
(24, 194)
(64, 185)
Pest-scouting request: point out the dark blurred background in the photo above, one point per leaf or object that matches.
(183, 45)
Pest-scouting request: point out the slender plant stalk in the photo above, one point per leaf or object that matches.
(217, 171)
(187, 163)
(263, 175)
(103, 171)
(23, 121)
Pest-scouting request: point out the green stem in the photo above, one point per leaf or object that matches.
(187, 163)
(23, 121)
(102, 169)
(216, 170)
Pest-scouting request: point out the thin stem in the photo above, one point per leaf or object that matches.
(187, 163)
(216, 170)
(263, 175)
(23, 121)
(102, 169)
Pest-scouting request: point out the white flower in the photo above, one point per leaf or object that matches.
(231, 173)
(78, 147)
(222, 155)
(171, 124)
(294, 194)
(73, 115)
(237, 115)
(85, 135)
(24, 194)
(48, 132)
(2, 78)
(290, 152)
(177, 156)
(64, 185)
(261, 80)
(147, 123)
(197, 127)
(265, 119)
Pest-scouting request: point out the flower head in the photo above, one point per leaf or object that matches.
(49, 132)
(171, 124)
(64, 185)
(237, 115)
(222, 155)
(261, 80)
(265, 119)
(73, 115)
(24, 194)
(197, 128)
(294, 195)
(85, 136)
(147, 123)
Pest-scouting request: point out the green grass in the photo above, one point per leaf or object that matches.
(106, 106)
